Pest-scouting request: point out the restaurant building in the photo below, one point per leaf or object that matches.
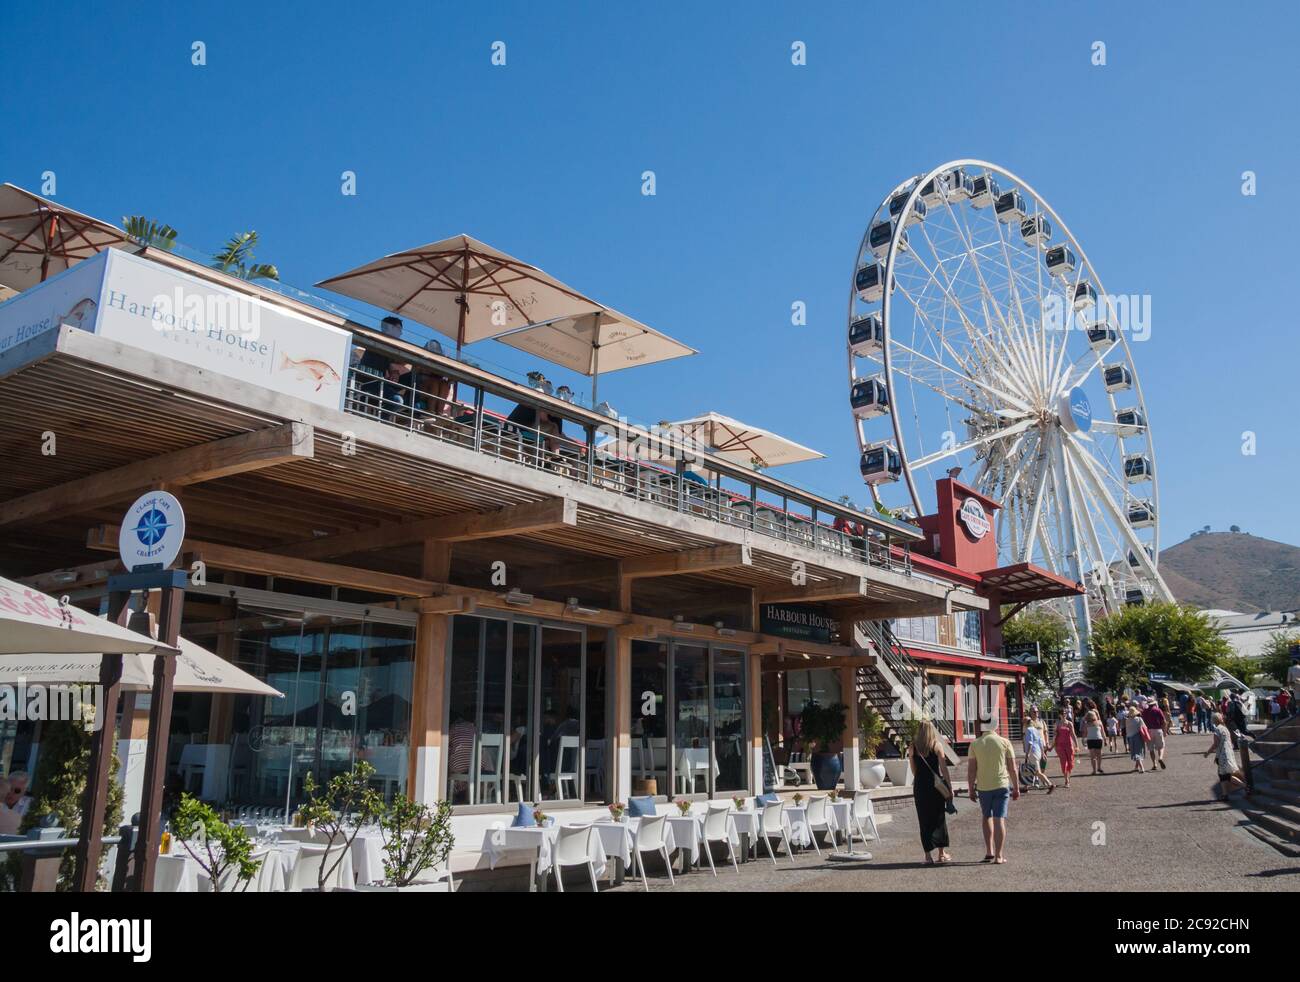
(486, 611)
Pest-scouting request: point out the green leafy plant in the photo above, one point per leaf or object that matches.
(820, 726)
(237, 259)
(416, 838)
(1173, 639)
(871, 733)
(1045, 626)
(214, 845)
(338, 811)
(147, 232)
(60, 783)
(1275, 659)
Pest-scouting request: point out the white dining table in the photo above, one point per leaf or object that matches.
(541, 840)
(179, 872)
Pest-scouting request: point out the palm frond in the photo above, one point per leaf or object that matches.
(147, 232)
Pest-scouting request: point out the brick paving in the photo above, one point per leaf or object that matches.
(1162, 832)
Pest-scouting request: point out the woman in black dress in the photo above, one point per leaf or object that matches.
(927, 763)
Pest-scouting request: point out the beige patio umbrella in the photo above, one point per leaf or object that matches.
(39, 238)
(603, 341)
(197, 670)
(741, 442)
(34, 621)
(462, 288)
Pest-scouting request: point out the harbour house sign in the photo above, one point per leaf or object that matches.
(799, 623)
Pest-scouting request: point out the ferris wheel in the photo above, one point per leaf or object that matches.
(982, 345)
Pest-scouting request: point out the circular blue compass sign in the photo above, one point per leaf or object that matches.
(152, 531)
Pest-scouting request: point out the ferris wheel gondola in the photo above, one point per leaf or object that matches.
(980, 340)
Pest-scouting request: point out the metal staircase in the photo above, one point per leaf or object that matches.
(895, 679)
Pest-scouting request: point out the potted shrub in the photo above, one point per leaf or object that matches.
(819, 727)
(899, 769)
(336, 813)
(217, 848)
(871, 733)
(417, 838)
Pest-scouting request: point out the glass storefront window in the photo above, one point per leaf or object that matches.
(649, 698)
(700, 715)
(550, 686)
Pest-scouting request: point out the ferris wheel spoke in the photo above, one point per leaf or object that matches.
(1037, 497)
(966, 379)
(1007, 431)
(1136, 545)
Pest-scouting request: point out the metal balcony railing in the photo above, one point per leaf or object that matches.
(435, 412)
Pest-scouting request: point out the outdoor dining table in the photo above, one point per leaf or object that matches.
(367, 853)
(179, 872)
(541, 841)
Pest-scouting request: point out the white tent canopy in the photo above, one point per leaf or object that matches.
(741, 442)
(591, 344)
(34, 621)
(39, 238)
(462, 288)
(197, 670)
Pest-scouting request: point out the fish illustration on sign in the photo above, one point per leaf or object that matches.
(309, 370)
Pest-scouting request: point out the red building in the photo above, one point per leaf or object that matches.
(961, 653)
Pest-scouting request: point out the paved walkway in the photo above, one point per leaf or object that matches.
(1121, 831)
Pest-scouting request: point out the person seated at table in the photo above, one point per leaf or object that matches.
(436, 389)
(16, 798)
(460, 746)
(10, 820)
(389, 376)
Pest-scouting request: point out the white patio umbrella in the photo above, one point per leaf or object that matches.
(34, 621)
(741, 442)
(39, 238)
(603, 341)
(462, 288)
(197, 670)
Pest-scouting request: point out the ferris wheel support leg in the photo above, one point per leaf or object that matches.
(1083, 615)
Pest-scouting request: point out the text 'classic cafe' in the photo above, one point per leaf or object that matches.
(448, 573)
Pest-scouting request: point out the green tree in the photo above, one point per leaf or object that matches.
(147, 232)
(338, 811)
(214, 845)
(416, 838)
(1276, 658)
(237, 259)
(1044, 625)
(1167, 638)
(60, 780)
(1116, 664)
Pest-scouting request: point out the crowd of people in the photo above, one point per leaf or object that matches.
(1137, 725)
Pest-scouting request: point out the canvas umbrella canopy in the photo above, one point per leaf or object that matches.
(745, 444)
(39, 238)
(603, 341)
(197, 670)
(462, 288)
(34, 621)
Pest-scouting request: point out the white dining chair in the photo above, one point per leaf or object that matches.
(863, 817)
(561, 775)
(491, 766)
(573, 848)
(818, 819)
(772, 822)
(651, 837)
(306, 871)
(717, 828)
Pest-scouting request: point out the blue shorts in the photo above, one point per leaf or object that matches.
(993, 804)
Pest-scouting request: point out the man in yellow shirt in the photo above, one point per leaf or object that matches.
(990, 770)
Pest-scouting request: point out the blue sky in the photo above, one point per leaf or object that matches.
(766, 174)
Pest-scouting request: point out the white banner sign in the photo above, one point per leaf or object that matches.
(154, 308)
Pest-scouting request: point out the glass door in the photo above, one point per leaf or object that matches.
(561, 698)
(706, 716)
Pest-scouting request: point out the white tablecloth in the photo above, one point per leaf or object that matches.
(290, 851)
(497, 841)
(179, 872)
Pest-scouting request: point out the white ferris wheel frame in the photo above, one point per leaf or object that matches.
(1074, 474)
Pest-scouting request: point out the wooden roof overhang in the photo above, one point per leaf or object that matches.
(109, 407)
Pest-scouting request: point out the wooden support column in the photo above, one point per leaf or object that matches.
(424, 775)
(849, 696)
(622, 735)
(95, 800)
(160, 717)
(756, 724)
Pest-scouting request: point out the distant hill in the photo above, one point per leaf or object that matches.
(1233, 571)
